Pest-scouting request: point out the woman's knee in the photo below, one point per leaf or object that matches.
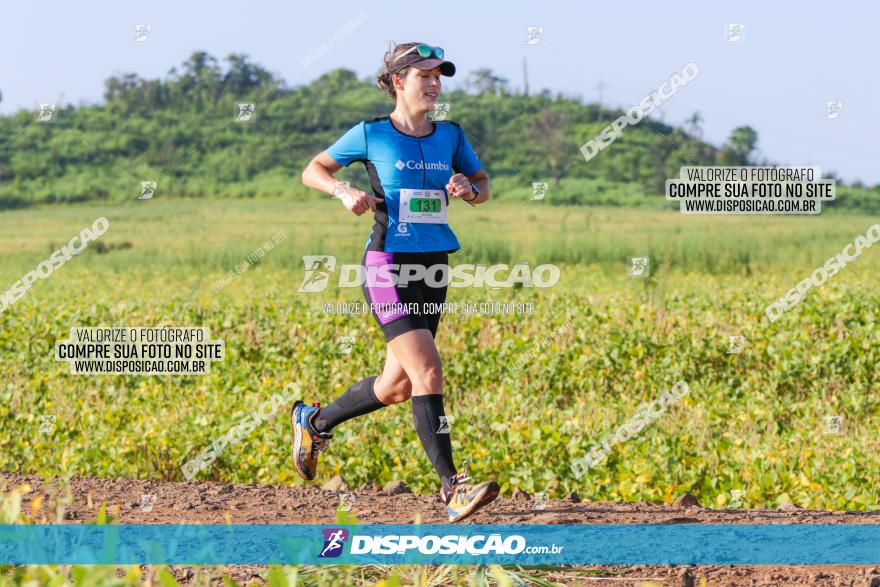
(429, 379)
(393, 392)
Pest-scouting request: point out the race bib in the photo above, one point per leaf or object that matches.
(423, 206)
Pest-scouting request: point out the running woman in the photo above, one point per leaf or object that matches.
(415, 166)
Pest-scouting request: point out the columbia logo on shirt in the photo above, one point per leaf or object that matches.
(420, 165)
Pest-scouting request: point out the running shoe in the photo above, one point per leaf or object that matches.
(463, 499)
(307, 442)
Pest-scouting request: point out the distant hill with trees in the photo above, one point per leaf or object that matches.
(183, 133)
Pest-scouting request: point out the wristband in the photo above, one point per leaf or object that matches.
(476, 191)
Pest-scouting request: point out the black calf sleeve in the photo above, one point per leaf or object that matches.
(434, 433)
(359, 399)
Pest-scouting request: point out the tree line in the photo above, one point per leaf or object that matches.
(190, 135)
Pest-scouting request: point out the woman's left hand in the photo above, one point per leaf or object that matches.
(459, 187)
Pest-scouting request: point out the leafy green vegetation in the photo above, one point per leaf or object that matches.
(181, 132)
(753, 421)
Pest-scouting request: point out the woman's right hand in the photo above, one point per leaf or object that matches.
(356, 200)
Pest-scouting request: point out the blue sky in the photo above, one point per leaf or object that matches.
(792, 59)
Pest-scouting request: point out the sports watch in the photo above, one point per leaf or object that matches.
(476, 192)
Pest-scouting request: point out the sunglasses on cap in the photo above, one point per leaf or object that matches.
(424, 51)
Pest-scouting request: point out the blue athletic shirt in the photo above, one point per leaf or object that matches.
(395, 160)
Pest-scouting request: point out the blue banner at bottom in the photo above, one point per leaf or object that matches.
(646, 544)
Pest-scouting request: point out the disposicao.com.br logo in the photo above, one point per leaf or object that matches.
(319, 269)
(448, 544)
(334, 541)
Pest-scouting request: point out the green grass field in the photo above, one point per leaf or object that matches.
(753, 421)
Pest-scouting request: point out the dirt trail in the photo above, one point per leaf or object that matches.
(213, 503)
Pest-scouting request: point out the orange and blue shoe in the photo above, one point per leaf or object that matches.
(463, 499)
(307, 442)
